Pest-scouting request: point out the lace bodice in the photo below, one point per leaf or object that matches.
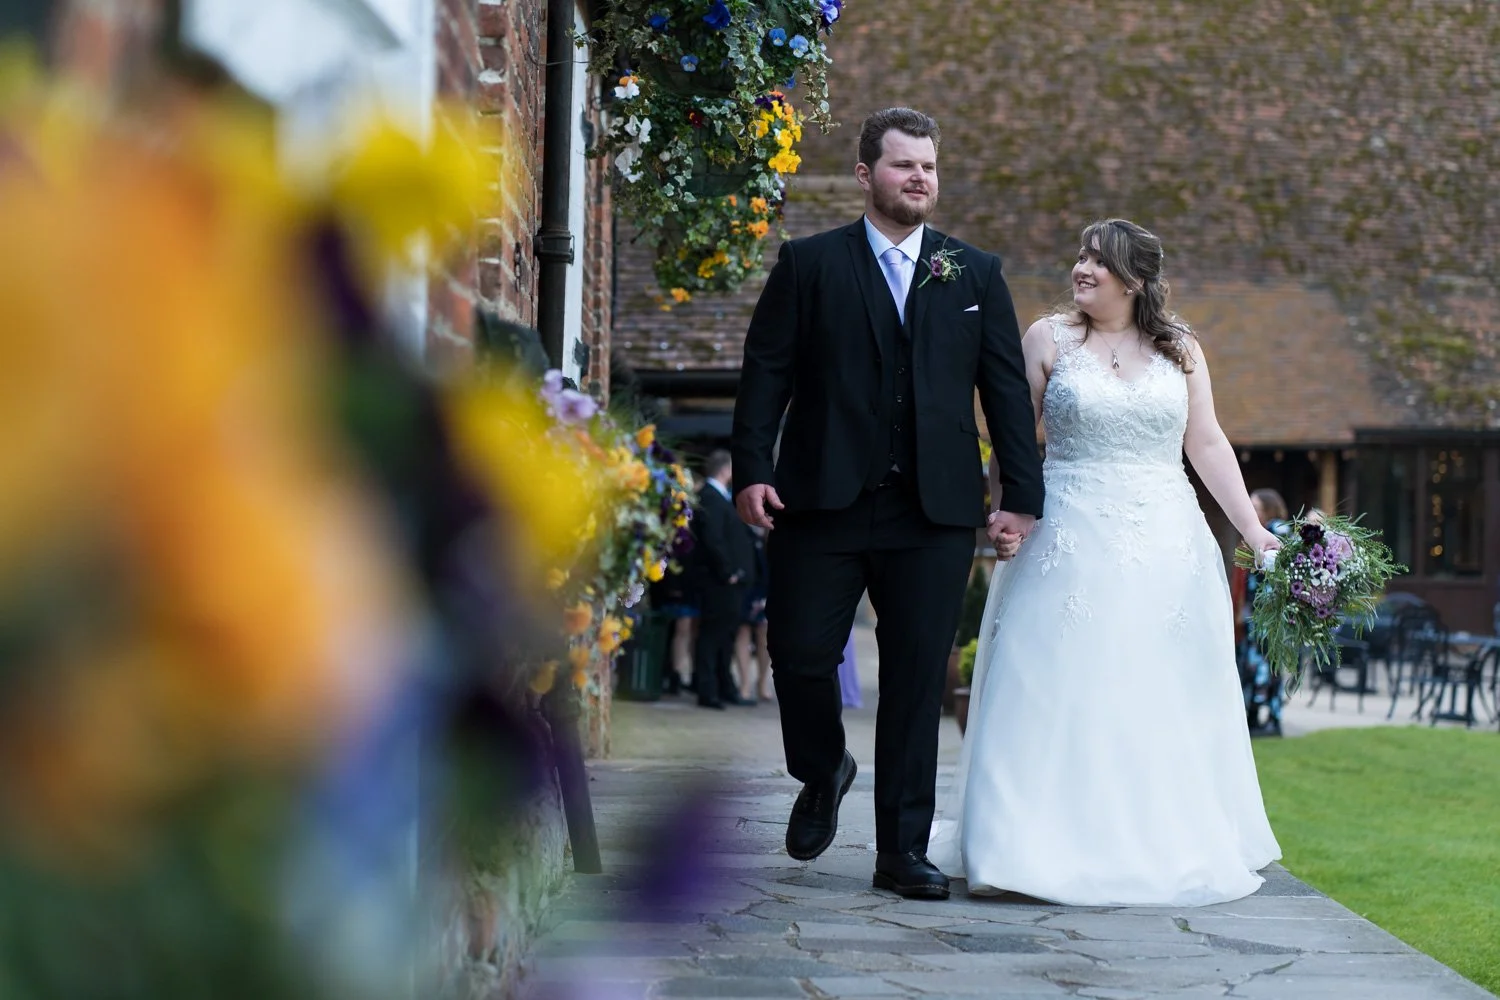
(1091, 415)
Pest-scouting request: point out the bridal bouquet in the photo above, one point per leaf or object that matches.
(1325, 574)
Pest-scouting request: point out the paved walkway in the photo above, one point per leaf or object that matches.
(700, 900)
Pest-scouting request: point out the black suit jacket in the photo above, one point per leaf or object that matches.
(724, 545)
(812, 344)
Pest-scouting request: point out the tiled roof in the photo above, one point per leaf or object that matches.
(1338, 157)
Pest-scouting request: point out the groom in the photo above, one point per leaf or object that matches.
(877, 334)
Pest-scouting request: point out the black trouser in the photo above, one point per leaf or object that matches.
(915, 571)
(719, 619)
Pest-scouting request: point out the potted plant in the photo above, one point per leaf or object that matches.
(966, 655)
(969, 622)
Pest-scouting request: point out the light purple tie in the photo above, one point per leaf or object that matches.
(898, 276)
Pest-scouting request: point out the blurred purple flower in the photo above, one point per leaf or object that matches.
(574, 407)
(830, 9)
(800, 45)
(1338, 545)
(552, 385)
(659, 20)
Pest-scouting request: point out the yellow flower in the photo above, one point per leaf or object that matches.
(646, 436)
(761, 126)
(706, 267)
(733, 201)
(556, 578)
(395, 187)
(680, 521)
(577, 618)
(785, 162)
(580, 679)
(759, 206)
(759, 228)
(784, 138)
(609, 634)
(680, 295)
(655, 571)
(542, 682)
(633, 476)
(547, 483)
(580, 657)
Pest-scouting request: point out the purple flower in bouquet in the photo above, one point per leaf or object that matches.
(1299, 589)
(1338, 546)
(1312, 534)
(1318, 556)
(574, 407)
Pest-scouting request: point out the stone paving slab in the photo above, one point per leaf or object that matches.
(702, 901)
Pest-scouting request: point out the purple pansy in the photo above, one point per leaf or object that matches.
(659, 20)
(830, 9)
(690, 63)
(574, 407)
(800, 45)
(717, 17)
(776, 36)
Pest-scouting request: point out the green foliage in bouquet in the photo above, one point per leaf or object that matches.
(1326, 574)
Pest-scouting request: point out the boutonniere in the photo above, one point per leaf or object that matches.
(943, 265)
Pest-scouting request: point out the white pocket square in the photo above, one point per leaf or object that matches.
(972, 309)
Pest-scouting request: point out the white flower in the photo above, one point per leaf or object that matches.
(1268, 559)
(626, 159)
(634, 594)
(627, 89)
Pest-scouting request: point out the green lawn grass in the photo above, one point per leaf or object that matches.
(1401, 825)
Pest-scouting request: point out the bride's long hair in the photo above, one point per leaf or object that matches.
(1134, 255)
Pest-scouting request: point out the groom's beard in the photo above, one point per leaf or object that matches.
(903, 212)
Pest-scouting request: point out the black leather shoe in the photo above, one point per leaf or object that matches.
(815, 815)
(910, 875)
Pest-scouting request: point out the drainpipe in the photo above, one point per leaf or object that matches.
(553, 245)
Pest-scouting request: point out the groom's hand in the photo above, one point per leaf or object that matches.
(752, 502)
(1004, 522)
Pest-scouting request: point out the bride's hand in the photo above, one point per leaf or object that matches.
(1260, 541)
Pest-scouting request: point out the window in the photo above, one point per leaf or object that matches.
(1387, 496)
(1455, 512)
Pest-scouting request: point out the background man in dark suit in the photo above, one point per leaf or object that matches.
(877, 335)
(726, 563)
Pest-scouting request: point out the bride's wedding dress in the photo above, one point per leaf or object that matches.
(1107, 759)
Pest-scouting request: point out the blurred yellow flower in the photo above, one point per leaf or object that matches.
(609, 634)
(646, 436)
(556, 578)
(580, 657)
(759, 206)
(395, 187)
(577, 619)
(544, 678)
(500, 435)
(655, 570)
(680, 295)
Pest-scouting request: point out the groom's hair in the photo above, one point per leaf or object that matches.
(913, 123)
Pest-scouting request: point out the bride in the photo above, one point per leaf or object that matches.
(1107, 760)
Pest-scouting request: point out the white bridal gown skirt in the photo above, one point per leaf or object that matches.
(1107, 759)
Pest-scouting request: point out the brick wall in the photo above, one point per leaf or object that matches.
(1316, 146)
(494, 55)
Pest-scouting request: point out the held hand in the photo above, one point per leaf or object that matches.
(1010, 523)
(752, 503)
(1006, 546)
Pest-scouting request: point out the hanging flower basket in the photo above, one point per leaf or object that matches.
(708, 115)
(669, 75)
